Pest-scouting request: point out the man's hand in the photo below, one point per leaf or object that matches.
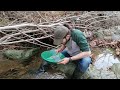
(64, 61)
(60, 49)
(57, 50)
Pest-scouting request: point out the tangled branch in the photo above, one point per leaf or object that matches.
(34, 26)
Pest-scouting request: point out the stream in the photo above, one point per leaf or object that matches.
(100, 69)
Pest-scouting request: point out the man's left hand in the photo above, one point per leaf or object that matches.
(64, 61)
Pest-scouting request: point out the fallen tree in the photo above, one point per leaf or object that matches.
(34, 32)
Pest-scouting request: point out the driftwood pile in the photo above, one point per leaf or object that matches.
(34, 26)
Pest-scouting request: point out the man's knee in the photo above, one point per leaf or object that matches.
(84, 63)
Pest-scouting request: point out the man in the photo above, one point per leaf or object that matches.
(74, 46)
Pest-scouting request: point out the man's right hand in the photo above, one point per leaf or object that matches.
(60, 49)
(57, 50)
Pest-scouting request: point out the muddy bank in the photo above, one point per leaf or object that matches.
(99, 69)
(11, 69)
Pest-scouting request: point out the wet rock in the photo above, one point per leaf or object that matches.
(21, 55)
(116, 69)
(105, 66)
(68, 69)
(93, 72)
(45, 75)
(48, 75)
(100, 74)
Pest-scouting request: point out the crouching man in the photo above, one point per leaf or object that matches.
(74, 47)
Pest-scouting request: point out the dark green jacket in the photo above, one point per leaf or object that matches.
(80, 39)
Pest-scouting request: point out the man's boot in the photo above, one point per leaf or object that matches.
(81, 75)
